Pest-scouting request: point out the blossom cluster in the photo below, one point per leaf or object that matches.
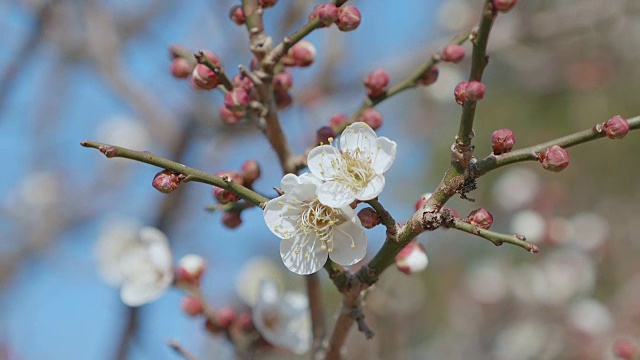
(313, 217)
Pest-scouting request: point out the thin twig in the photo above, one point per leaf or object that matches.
(175, 345)
(495, 237)
(191, 173)
(224, 79)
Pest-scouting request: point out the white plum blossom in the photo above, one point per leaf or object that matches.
(136, 258)
(311, 231)
(283, 321)
(352, 167)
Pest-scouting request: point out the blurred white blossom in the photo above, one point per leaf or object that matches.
(251, 275)
(590, 317)
(530, 224)
(123, 131)
(136, 258)
(516, 188)
(283, 320)
(529, 340)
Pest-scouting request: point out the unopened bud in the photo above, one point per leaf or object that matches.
(554, 158)
(191, 305)
(324, 134)
(267, 3)
(224, 196)
(241, 81)
(502, 141)
(348, 18)
(166, 181)
(423, 199)
(236, 99)
(371, 117)
(412, 259)
(229, 117)
(617, 127)
(430, 76)
(302, 53)
(376, 83)
(453, 53)
(236, 14)
(625, 349)
(327, 13)
(460, 92)
(503, 5)
(250, 171)
(282, 81)
(190, 268)
(204, 78)
(480, 218)
(337, 121)
(180, 68)
(176, 51)
(231, 219)
(475, 90)
(225, 317)
(369, 218)
(283, 99)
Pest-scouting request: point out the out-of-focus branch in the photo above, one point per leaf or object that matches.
(191, 173)
(175, 345)
(493, 162)
(314, 293)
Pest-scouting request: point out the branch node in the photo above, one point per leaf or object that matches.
(357, 315)
(108, 151)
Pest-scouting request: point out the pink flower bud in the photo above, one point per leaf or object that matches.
(554, 158)
(376, 83)
(371, 117)
(180, 68)
(214, 58)
(241, 81)
(412, 259)
(337, 121)
(453, 53)
(224, 196)
(166, 181)
(327, 13)
(502, 141)
(460, 92)
(348, 18)
(503, 5)
(423, 199)
(225, 317)
(236, 14)
(191, 305)
(176, 51)
(302, 54)
(369, 218)
(475, 91)
(231, 219)
(250, 171)
(480, 218)
(204, 78)
(430, 76)
(267, 3)
(323, 134)
(283, 99)
(625, 349)
(229, 117)
(282, 81)
(190, 268)
(237, 99)
(617, 127)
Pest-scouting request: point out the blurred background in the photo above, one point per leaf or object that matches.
(99, 70)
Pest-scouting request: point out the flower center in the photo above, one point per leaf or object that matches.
(354, 168)
(320, 220)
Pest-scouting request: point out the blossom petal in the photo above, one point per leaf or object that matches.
(288, 182)
(335, 194)
(386, 153)
(373, 188)
(144, 288)
(322, 161)
(349, 243)
(303, 255)
(358, 136)
(157, 248)
(280, 217)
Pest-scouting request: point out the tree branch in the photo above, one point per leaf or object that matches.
(191, 173)
(496, 238)
(493, 162)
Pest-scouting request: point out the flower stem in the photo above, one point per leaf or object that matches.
(496, 238)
